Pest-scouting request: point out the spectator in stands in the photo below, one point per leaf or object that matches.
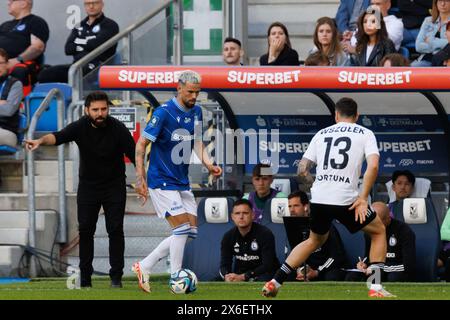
(442, 58)
(92, 32)
(103, 141)
(248, 249)
(279, 52)
(394, 60)
(372, 40)
(262, 178)
(326, 41)
(232, 52)
(400, 262)
(412, 14)
(403, 184)
(394, 26)
(347, 16)
(432, 34)
(317, 59)
(24, 39)
(326, 263)
(10, 99)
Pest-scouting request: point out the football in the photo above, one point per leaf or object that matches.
(184, 281)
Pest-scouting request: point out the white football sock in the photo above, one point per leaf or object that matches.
(179, 238)
(160, 252)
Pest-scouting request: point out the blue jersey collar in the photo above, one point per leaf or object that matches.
(180, 107)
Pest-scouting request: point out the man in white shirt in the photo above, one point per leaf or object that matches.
(338, 152)
(394, 26)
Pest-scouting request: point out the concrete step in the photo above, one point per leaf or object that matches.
(10, 184)
(14, 236)
(20, 219)
(11, 167)
(46, 176)
(102, 265)
(9, 260)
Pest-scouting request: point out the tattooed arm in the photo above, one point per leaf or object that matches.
(141, 183)
(304, 173)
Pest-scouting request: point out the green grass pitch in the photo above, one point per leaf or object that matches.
(55, 289)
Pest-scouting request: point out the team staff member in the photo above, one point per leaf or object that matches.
(326, 263)
(24, 39)
(339, 152)
(400, 262)
(250, 245)
(92, 32)
(102, 141)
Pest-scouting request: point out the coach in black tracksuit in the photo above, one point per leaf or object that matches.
(248, 250)
(400, 262)
(103, 141)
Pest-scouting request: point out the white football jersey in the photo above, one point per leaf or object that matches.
(339, 152)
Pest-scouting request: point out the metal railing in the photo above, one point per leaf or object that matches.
(62, 228)
(75, 71)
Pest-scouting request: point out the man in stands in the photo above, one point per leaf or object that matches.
(248, 249)
(232, 52)
(24, 39)
(92, 32)
(262, 178)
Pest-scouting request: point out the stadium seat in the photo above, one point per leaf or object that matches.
(202, 255)
(404, 52)
(8, 150)
(49, 119)
(427, 234)
(285, 185)
(421, 189)
(273, 219)
(354, 244)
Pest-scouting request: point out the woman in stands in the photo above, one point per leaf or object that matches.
(431, 36)
(326, 41)
(372, 39)
(279, 52)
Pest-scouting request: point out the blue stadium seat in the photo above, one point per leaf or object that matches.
(8, 150)
(354, 244)
(203, 254)
(404, 52)
(272, 219)
(427, 241)
(49, 119)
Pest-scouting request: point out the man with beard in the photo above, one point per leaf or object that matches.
(102, 141)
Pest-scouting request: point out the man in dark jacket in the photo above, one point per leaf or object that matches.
(103, 141)
(248, 249)
(92, 32)
(400, 262)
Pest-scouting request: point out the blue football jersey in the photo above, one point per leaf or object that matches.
(171, 129)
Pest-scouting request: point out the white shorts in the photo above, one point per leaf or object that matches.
(173, 202)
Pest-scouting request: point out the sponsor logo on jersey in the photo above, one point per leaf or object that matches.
(21, 27)
(236, 247)
(247, 258)
(96, 29)
(181, 137)
(154, 121)
(332, 177)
